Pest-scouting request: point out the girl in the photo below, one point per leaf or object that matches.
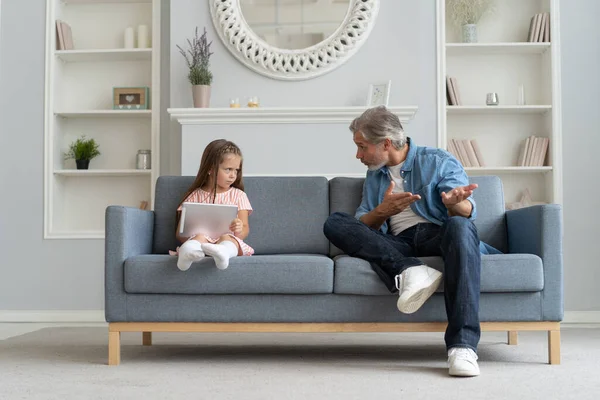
(219, 181)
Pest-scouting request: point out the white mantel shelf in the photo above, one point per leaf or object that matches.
(277, 115)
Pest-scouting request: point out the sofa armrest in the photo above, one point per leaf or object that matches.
(538, 230)
(129, 232)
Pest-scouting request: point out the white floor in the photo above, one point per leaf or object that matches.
(11, 329)
(68, 361)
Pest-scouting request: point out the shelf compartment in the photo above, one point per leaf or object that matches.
(539, 109)
(100, 55)
(76, 235)
(105, 114)
(101, 172)
(471, 49)
(508, 170)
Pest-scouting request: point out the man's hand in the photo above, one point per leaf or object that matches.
(393, 203)
(456, 200)
(236, 226)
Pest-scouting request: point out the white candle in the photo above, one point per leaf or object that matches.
(128, 38)
(142, 37)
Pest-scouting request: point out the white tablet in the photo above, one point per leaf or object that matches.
(206, 218)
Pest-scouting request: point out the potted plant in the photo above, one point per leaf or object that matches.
(82, 150)
(197, 58)
(466, 14)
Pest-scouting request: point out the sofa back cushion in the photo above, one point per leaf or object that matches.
(345, 195)
(288, 216)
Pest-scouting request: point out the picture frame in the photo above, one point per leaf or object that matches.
(379, 94)
(131, 98)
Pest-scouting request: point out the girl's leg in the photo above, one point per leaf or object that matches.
(190, 251)
(225, 248)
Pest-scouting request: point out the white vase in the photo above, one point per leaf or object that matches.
(201, 96)
(469, 32)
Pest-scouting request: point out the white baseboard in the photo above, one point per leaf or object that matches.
(52, 316)
(571, 317)
(582, 317)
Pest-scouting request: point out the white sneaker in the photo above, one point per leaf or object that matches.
(415, 285)
(462, 361)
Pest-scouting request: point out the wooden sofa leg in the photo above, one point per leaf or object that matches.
(114, 348)
(147, 338)
(513, 338)
(554, 347)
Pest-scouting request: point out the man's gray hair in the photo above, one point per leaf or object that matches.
(377, 124)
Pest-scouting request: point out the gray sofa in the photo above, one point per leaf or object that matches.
(298, 282)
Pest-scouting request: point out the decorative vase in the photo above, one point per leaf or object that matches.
(469, 32)
(201, 95)
(82, 164)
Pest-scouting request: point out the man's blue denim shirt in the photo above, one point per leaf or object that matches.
(428, 172)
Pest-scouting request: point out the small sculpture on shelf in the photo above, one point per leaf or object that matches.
(82, 151)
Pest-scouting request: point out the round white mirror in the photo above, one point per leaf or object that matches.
(294, 24)
(293, 39)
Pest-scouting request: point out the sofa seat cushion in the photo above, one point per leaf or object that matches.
(499, 273)
(272, 274)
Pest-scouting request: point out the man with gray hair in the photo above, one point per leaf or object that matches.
(416, 202)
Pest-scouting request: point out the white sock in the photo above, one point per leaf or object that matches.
(189, 252)
(221, 252)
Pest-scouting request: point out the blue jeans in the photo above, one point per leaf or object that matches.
(456, 241)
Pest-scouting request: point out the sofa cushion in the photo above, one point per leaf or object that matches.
(345, 195)
(499, 273)
(288, 216)
(281, 274)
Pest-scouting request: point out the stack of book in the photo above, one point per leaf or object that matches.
(539, 28)
(533, 152)
(467, 152)
(452, 93)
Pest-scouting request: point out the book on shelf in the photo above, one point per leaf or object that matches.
(524, 201)
(533, 152)
(452, 93)
(64, 36)
(467, 152)
(539, 28)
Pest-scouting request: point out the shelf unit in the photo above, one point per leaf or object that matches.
(79, 92)
(500, 62)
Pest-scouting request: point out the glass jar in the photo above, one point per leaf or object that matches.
(143, 159)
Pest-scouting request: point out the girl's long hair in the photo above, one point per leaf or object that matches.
(212, 157)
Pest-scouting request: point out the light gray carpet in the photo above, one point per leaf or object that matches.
(70, 363)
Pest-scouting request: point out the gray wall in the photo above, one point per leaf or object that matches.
(392, 52)
(580, 57)
(37, 274)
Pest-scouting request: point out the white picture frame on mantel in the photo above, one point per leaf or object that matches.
(379, 94)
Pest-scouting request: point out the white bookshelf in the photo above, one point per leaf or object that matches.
(79, 93)
(104, 55)
(101, 172)
(500, 62)
(104, 114)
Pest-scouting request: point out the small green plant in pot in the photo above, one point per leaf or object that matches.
(82, 151)
(197, 58)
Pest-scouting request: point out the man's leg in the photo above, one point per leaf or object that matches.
(462, 272)
(462, 267)
(391, 254)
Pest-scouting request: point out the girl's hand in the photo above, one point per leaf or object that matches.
(236, 226)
